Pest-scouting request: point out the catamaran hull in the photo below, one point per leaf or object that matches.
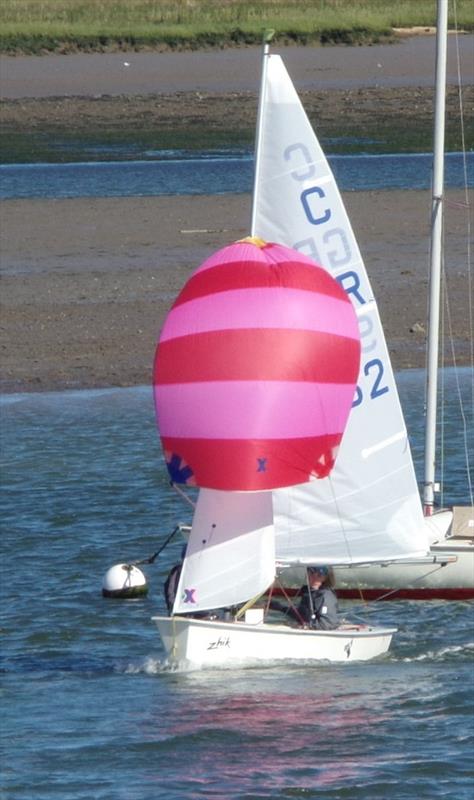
(441, 580)
(211, 643)
(447, 574)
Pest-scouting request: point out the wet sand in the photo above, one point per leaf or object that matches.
(86, 282)
(409, 62)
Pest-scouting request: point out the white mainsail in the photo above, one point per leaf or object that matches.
(230, 555)
(369, 508)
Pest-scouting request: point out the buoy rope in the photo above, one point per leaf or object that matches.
(151, 559)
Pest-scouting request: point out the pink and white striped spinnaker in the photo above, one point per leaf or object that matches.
(255, 370)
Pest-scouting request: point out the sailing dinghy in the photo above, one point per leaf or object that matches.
(343, 491)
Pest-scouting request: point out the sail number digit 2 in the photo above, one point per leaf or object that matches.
(374, 366)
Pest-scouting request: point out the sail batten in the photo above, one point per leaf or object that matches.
(376, 448)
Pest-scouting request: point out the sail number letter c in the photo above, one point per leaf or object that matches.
(307, 201)
(299, 152)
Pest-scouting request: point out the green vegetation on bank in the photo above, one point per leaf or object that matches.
(66, 146)
(34, 26)
(122, 128)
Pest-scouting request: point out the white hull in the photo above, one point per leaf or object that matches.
(447, 574)
(423, 580)
(211, 643)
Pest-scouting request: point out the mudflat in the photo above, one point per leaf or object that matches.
(408, 63)
(86, 283)
(384, 93)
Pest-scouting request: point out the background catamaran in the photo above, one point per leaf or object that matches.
(449, 571)
(372, 489)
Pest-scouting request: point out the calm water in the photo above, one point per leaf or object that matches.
(91, 712)
(215, 174)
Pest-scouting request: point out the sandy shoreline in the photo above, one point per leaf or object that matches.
(72, 107)
(86, 282)
(410, 62)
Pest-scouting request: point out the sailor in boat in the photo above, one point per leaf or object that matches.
(171, 587)
(317, 607)
(318, 603)
(171, 583)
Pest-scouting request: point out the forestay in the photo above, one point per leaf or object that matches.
(368, 509)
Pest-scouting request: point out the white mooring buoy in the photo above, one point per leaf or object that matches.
(124, 581)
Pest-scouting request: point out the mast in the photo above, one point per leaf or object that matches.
(267, 37)
(435, 257)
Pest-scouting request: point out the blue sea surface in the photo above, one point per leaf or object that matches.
(215, 173)
(90, 709)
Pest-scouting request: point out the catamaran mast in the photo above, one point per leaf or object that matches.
(267, 37)
(436, 256)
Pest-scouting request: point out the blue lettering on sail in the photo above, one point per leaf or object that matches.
(299, 149)
(334, 258)
(358, 397)
(341, 256)
(309, 193)
(308, 248)
(366, 327)
(332, 248)
(375, 366)
(375, 370)
(350, 281)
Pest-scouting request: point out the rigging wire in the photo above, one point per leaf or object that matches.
(466, 195)
(391, 592)
(447, 316)
(465, 422)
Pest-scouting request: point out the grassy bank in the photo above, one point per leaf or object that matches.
(29, 26)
